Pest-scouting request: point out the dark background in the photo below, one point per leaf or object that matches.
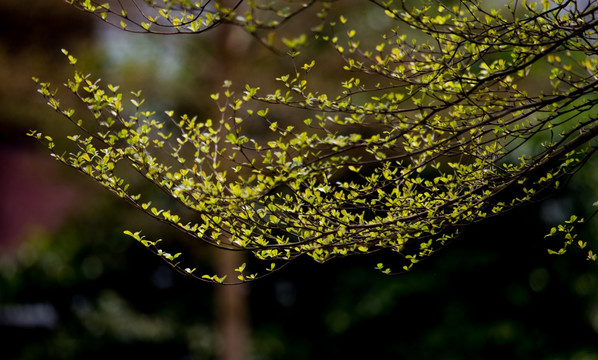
(72, 286)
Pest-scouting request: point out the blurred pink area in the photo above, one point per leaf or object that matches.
(33, 195)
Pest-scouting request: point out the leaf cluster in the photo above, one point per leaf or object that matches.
(430, 131)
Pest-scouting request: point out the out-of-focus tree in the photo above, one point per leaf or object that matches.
(431, 130)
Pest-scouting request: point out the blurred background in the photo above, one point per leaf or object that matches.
(72, 286)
